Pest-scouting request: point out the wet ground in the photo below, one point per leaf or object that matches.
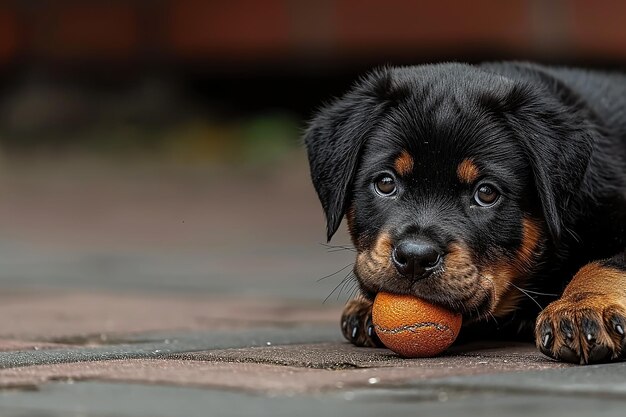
(143, 289)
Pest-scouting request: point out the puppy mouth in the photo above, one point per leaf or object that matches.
(472, 296)
(469, 293)
(457, 284)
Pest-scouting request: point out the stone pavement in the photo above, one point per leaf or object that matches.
(71, 353)
(121, 309)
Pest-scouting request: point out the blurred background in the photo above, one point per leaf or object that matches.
(153, 145)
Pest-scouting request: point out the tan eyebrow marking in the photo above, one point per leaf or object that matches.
(467, 171)
(404, 163)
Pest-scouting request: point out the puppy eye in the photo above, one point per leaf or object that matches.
(385, 185)
(486, 195)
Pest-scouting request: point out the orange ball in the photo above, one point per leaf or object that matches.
(413, 327)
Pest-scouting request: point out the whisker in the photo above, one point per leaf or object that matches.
(494, 319)
(335, 273)
(539, 293)
(354, 288)
(339, 250)
(573, 234)
(346, 282)
(336, 248)
(335, 289)
(355, 293)
(524, 292)
(527, 295)
(349, 276)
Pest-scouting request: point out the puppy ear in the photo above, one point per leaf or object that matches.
(557, 133)
(334, 140)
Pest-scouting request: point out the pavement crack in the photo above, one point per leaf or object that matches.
(330, 366)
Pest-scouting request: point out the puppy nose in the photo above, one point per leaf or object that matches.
(416, 258)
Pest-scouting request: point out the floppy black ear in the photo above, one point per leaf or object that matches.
(558, 134)
(334, 140)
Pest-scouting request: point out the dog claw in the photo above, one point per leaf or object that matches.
(547, 338)
(619, 329)
(566, 328)
(357, 326)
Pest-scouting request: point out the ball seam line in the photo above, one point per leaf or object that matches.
(412, 327)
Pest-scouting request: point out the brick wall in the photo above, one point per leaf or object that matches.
(294, 31)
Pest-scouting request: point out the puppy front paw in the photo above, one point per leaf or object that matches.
(584, 328)
(356, 324)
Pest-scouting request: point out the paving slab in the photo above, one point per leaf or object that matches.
(599, 381)
(97, 224)
(289, 270)
(248, 377)
(157, 347)
(493, 357)
(93, 318)
(98, 399)
(274, 369)
(9, 345)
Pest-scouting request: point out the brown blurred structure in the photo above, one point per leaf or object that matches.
(71, 70)
(307, 34)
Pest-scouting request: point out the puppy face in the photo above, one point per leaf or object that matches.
(444, 214)
(445, 176)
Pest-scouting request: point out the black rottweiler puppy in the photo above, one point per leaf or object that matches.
(493, 190)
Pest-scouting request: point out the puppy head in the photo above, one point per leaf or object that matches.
(446, 194)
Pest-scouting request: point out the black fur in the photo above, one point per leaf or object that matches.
(552, 140)
(334, 140)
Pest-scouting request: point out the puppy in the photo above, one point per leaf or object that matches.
(497, 191)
